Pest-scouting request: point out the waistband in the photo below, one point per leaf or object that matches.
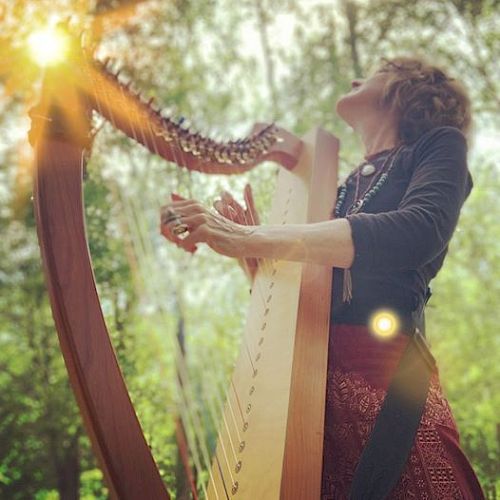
(409, 321)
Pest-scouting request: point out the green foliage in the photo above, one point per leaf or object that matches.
(463, 325)
(225, 64)
(92, 485)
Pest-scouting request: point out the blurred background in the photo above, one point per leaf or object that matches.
(223, 65)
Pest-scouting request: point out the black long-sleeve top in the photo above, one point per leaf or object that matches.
(402, 235)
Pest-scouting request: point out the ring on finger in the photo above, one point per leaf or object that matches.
(179, 227)
(171, 217)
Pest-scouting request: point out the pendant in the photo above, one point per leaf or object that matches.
(356, 207)
(368, 169)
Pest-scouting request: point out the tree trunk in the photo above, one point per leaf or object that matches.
(68, 473)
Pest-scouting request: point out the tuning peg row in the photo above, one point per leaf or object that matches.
(243, 150)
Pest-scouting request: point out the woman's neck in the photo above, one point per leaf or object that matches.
(379, 137)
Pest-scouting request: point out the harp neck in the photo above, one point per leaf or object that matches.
(90, 85)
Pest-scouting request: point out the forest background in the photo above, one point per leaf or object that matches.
(224, 65)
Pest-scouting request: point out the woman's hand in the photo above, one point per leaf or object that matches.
(218, 232)
(231, 209)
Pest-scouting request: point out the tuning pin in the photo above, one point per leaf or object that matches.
(184, 126)
(245, 156)
(165, 117)
(167, 120)
(187, 125)
(136, 92)
(178, 124)
(270, 127)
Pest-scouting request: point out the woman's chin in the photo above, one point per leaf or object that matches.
(344, 110)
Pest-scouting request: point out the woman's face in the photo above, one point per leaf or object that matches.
(362, 102)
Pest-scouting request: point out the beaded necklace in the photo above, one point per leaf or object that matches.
(358, 204)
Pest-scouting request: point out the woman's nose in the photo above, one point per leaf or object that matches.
(356, 83)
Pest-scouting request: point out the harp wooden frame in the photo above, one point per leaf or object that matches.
(282, 455)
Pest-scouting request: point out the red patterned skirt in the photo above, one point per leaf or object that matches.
(360, 367)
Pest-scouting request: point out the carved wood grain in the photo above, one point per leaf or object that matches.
(124, 456)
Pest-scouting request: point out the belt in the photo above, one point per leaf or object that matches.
(361, 315)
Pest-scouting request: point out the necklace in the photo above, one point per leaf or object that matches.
(369, 168)
(360, 203)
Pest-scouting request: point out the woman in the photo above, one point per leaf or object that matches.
(389, 432)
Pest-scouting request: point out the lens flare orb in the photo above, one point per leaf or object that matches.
(48, 46)
(384, 323)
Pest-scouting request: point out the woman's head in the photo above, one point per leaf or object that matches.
(417, 95)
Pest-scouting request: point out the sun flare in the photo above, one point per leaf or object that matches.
(384, 323)
(48, 46)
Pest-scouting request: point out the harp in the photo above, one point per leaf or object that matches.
(274, 412)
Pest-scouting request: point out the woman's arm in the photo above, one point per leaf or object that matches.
(423, 224)
(328, 243)
(405, 238)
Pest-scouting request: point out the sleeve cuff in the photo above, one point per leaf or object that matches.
(363, 247)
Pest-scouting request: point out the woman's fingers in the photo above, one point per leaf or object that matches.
(231, 209)
(183, 208)
(166, 231)
(228, 207)
(219, 228)
(197, 235)
(170, 216)
(176, 197)
(252, 215)
(231, 202)
(195, 220)
(223, 209)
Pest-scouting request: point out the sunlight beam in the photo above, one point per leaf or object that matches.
(48, 46)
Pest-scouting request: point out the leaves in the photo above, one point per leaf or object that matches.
(225, 65)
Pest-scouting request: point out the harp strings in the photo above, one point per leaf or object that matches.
(195, 432)
(181, 361)
(210, 402)
(183, 163)
(190, 418)
(191, 422)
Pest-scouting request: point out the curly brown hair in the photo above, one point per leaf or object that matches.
(423, 97)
